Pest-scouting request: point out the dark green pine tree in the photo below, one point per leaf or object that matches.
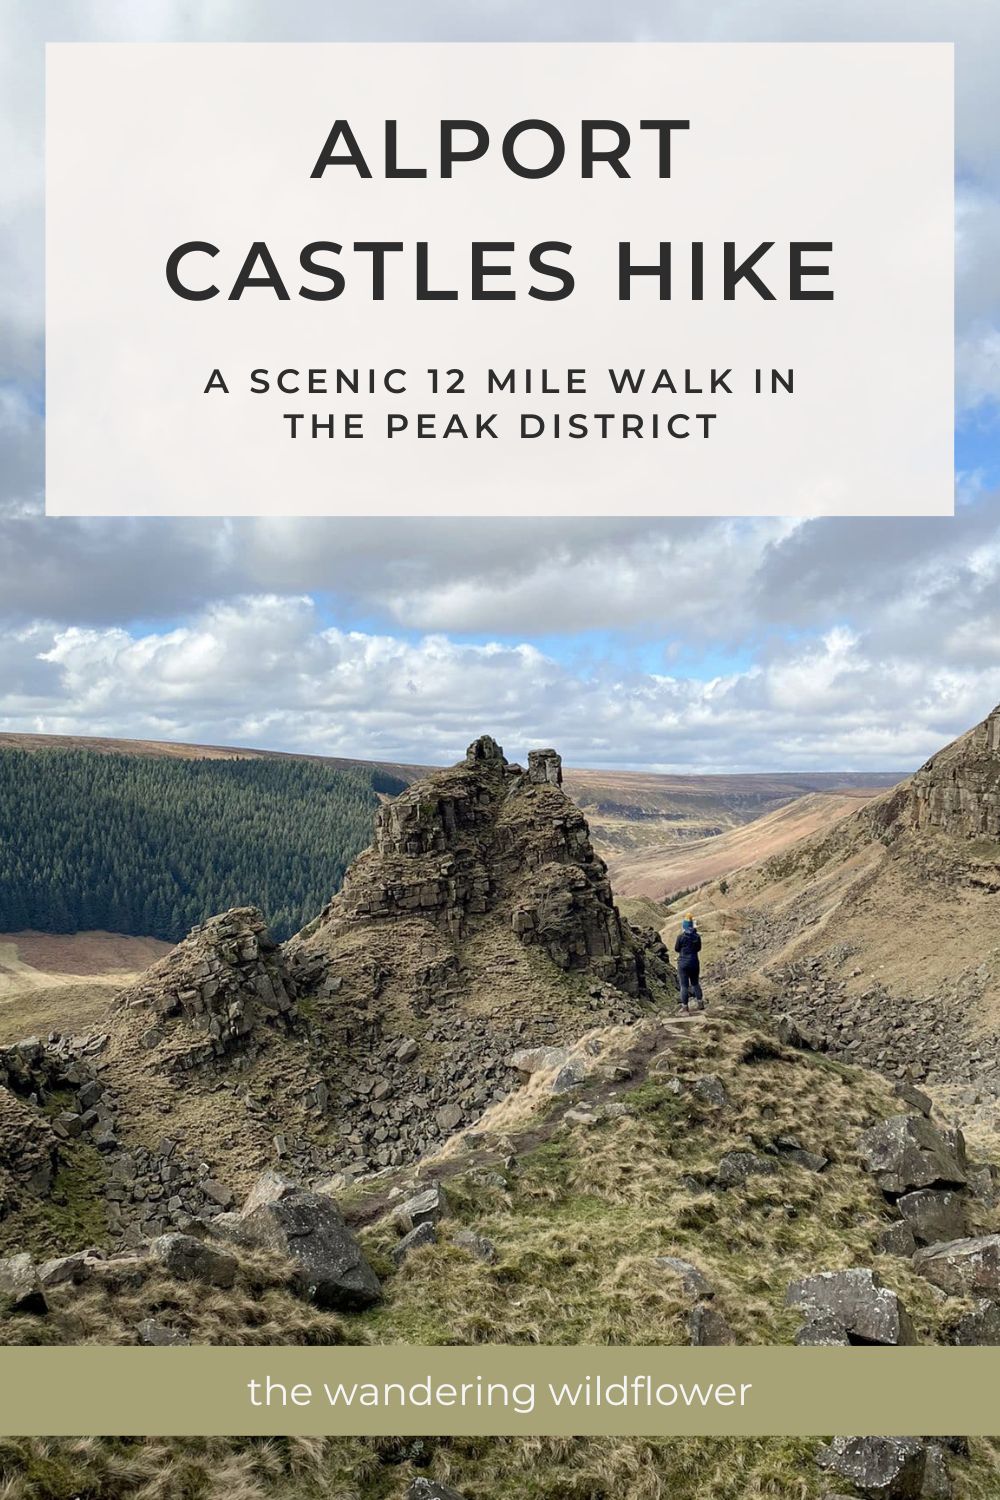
(150, 845)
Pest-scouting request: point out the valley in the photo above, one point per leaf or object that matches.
(458, 1106)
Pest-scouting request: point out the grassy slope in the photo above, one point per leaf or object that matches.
(66, 981)
(577, 1214)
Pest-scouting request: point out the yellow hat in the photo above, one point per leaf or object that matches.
(688, 916)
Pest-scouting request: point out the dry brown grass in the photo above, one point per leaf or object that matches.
(259, 1310)
(479, 1468)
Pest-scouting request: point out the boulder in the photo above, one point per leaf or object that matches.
(65, 1269)
(450, 1117)
(426, 1207)
(963, 1268)
(880, 1468)
(707, 1328)
(537, 1059)
(907, 1152)
(791, 1034)
(915, 1098)
(937, 1480)
(858, 1302)
(822, 1332)
(270, 1187)
(983, 1180)
(20, 1290)
(711, 1090)
(981, 1326)
(789, 1148)
(423, 1234)
(570, 1075)
(934, 1215)
(309, 1229)
(192, 1260)
(897, 1240)
(217, 1193)
(736, 1166)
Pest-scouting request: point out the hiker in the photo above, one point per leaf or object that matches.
(687, 948)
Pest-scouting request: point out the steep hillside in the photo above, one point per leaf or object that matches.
(147, 845)
(884, 934)
(662, 872)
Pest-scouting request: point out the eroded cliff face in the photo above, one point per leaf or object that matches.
(212, 995)
(958, 790)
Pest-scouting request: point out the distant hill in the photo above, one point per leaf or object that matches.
(665, 871)
(151, 843)
(641, 810)
(180, 750)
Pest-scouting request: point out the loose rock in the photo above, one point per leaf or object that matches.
(858, 1302)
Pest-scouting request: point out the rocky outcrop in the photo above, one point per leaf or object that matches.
(487, 838)
(28, 1152)
(49, 1095)
(958, 790)
(212, 993)
(479, 926)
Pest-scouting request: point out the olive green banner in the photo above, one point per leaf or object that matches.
(498, 1390)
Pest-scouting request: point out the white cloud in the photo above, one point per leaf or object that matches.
(267, 671)
(837, 643)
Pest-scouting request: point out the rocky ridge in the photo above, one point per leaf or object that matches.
(481, 922)
(882, 938)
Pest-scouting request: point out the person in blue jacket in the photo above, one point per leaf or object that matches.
(687, 948)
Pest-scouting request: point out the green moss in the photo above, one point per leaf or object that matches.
(71, 1216)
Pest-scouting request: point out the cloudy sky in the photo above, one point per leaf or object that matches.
(709, 645)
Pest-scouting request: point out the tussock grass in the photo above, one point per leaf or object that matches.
(479, 1468)
(259, 1310)
(587, 1209)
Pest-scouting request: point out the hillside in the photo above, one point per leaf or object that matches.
(66, 982)
(661, 872)
(147, 845)
(635, 811)
(883, 934)
(458, 1107)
